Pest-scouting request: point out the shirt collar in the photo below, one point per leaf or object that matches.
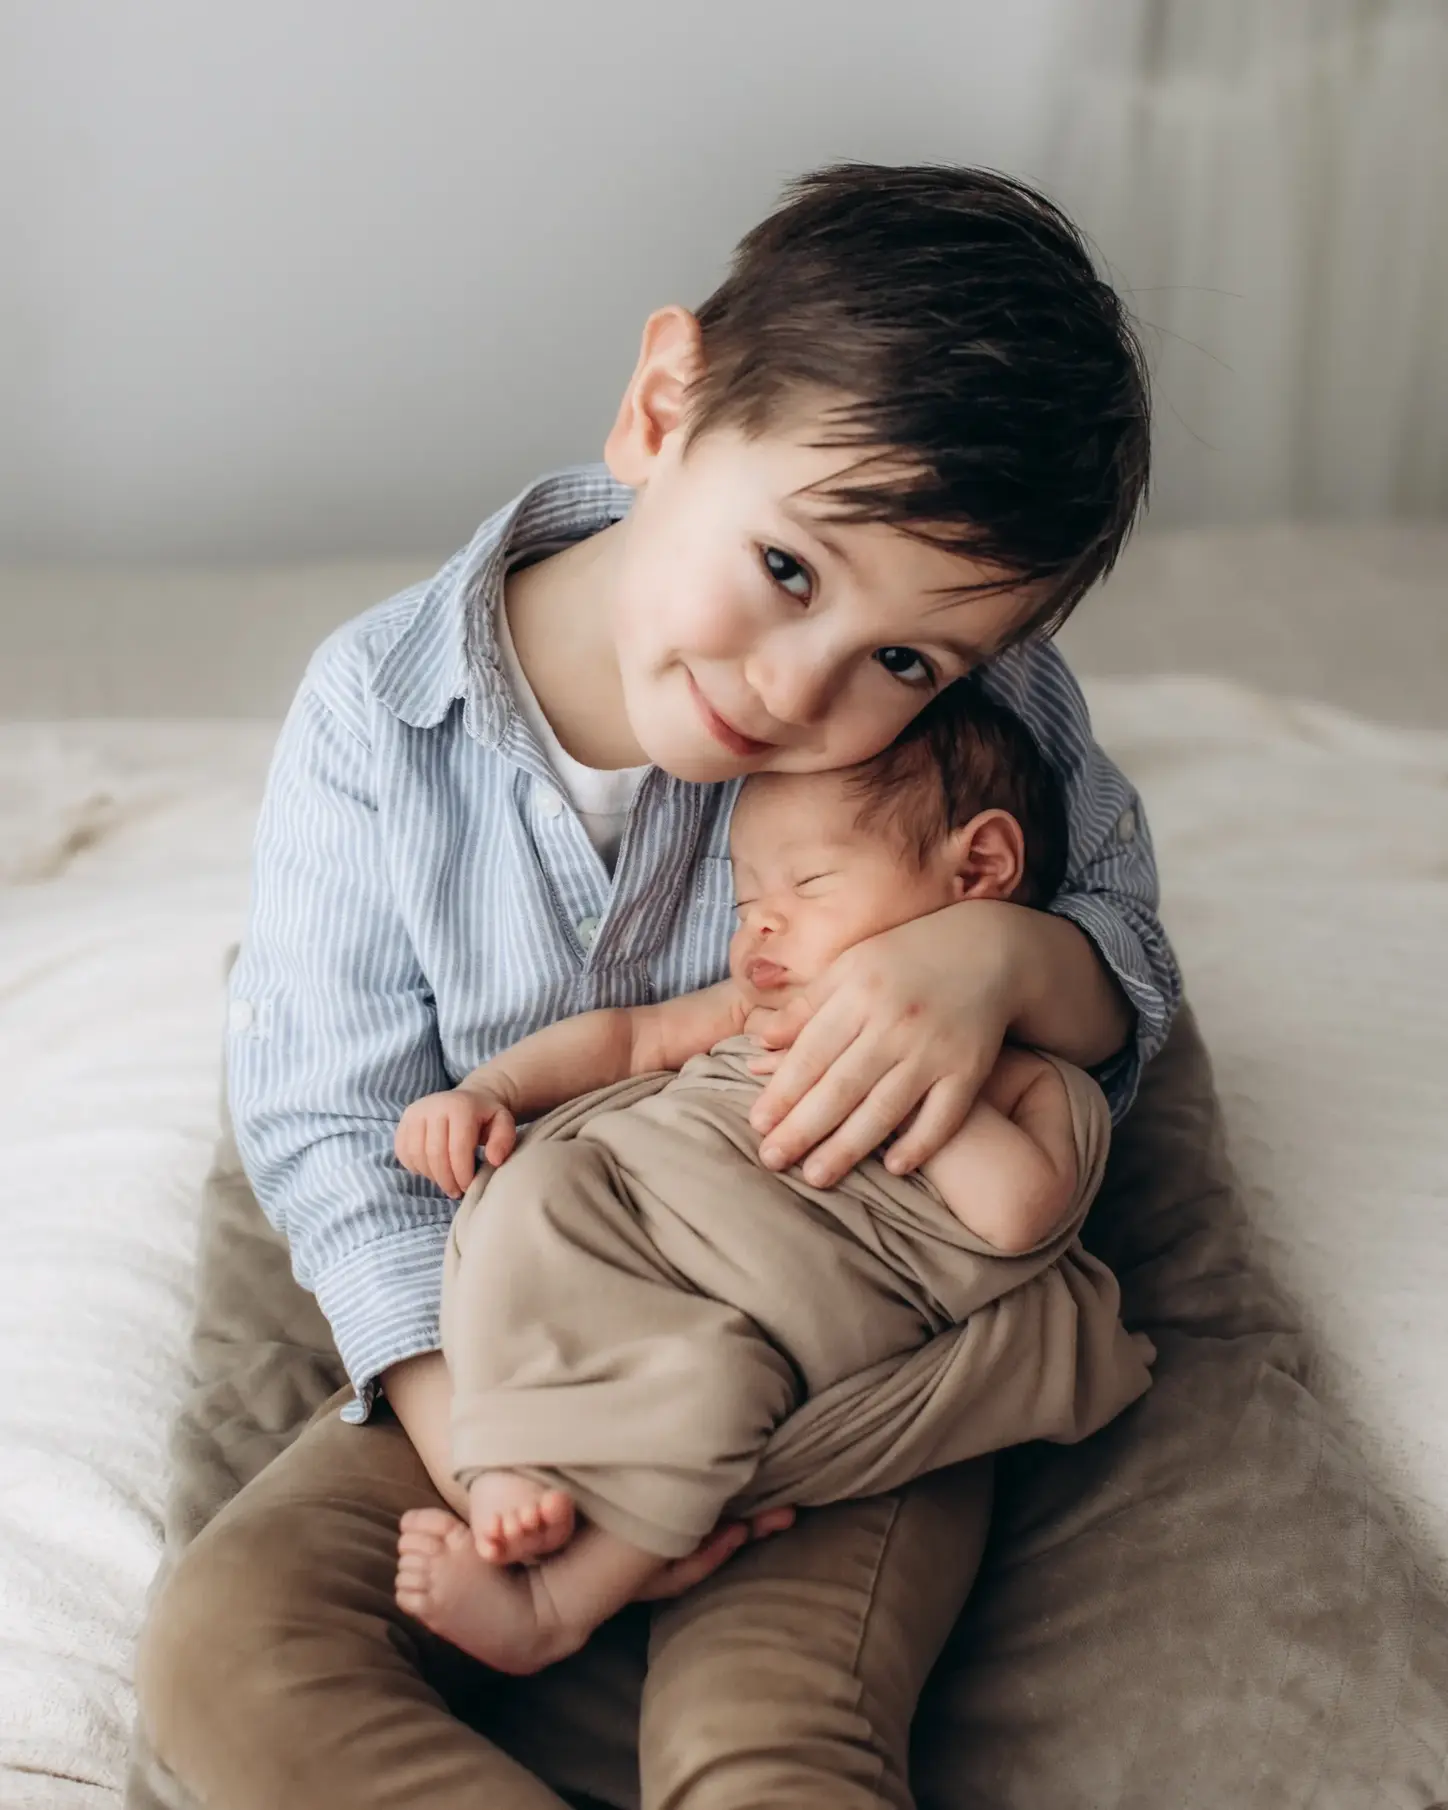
(448, 648)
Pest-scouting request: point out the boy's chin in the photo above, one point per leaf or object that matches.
(696, 763)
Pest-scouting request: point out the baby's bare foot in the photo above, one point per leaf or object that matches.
(497, 1616)
(516, 1522)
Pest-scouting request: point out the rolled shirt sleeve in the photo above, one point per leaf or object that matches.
(332, 1033)
(1111, 889)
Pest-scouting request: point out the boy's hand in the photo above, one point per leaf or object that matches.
(439, 1136)
(908, 1023)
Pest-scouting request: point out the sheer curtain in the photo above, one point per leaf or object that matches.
(1268, 180)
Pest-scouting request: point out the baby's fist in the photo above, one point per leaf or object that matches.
(439, 1137)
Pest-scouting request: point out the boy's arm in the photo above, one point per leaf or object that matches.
(595, 1049)
(1011, 1172)
(332, 1032)
(1104, 997)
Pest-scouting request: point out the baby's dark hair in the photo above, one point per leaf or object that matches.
(964, 754)
(954, 326)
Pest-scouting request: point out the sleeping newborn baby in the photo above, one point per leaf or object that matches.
(646, 1328)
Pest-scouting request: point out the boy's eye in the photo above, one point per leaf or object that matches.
(904, 663)
(787, 573)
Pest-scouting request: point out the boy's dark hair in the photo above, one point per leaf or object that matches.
(957, 318)
(964, 754)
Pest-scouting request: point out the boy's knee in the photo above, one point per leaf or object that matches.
(211, 1679)
(202, 1616)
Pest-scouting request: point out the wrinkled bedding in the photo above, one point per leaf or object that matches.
(1307, 890)
(123, 859)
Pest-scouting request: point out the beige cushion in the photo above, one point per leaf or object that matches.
(1206, 1605)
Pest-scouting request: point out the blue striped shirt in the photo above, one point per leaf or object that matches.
(420, 901)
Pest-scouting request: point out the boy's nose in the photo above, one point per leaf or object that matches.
(795, 690)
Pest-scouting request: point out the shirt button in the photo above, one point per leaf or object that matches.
(587, 931)
(547, 800)
(240, 1016)
(1126, 825)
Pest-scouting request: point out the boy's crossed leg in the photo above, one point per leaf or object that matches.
(790, 1676)
(278, 1673)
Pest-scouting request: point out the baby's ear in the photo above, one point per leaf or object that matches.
(989, 857)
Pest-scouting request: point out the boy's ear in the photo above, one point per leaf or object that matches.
(989, 857)
(654, 404)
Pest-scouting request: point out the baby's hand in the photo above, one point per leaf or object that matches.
(439, 1136)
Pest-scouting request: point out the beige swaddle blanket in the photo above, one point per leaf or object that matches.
(638, 1312)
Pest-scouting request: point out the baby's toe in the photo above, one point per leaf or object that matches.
(458, 1536)
(435, 1521)
(421, 1545)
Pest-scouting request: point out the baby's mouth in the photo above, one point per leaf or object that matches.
(764, 975)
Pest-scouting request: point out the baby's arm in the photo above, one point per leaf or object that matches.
(1011, 1172)
(439, 1136)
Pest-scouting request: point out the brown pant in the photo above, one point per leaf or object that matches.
(276, 1672)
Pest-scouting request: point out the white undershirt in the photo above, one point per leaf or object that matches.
(600, 797)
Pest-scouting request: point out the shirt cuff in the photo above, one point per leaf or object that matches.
(1122, 951)
(383, 1302)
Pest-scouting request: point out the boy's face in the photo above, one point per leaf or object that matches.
(753, 636)
(811, 884)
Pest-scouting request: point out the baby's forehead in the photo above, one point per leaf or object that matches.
(778, 813)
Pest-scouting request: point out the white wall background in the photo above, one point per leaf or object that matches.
(314, 277)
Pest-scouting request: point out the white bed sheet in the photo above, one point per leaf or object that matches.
(123, 860)
(1306, 863)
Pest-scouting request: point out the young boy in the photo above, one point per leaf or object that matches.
(774, 1375)
(901, 441)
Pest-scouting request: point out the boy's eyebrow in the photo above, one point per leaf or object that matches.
(970, 651)
(813, 525)
(965, 651)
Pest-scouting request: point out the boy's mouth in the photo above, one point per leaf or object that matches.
(721, 729)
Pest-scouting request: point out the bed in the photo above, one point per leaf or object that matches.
(1279, 695)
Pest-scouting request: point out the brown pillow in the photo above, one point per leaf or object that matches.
(1208, 1604)
(1205, 1607)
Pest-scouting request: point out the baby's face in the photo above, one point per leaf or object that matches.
(811, 884)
